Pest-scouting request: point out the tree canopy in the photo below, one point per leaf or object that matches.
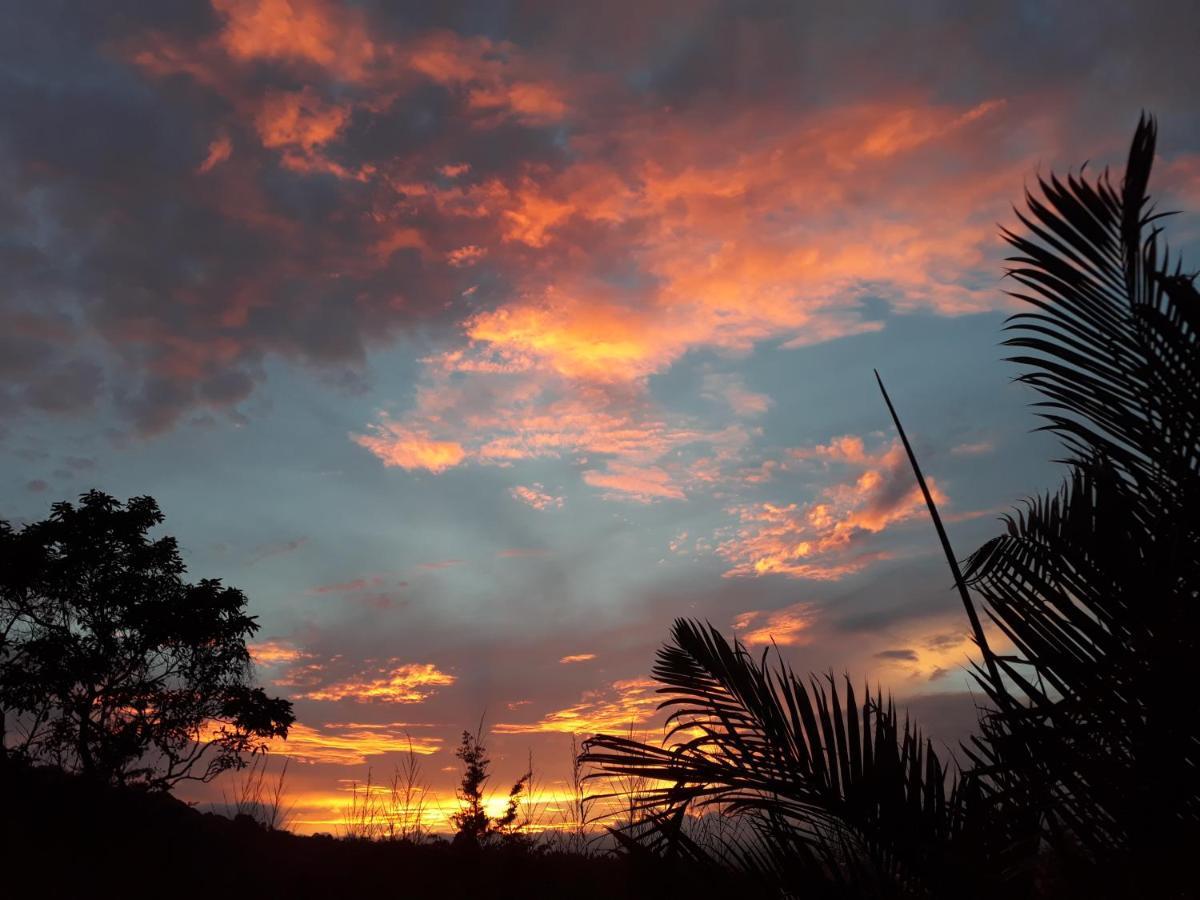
(115, 667)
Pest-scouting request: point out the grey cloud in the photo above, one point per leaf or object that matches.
(904, 654)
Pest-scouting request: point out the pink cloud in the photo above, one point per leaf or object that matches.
(643, 484)
(535, 495)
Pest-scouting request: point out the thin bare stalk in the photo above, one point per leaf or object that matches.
(951, 559)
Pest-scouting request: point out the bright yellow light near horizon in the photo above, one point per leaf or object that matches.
(545, 808)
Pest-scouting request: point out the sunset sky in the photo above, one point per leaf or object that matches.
(478, 341)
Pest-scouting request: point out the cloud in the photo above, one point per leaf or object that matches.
(785, 627)
(535, 495)
(725, 252)
(975, 448)
(729, 388)
(466, 255)
(275, 652)
(522, 552)
(406, 448)
(643, 484)
(350, 744)
(623, 202)
(615, 709)
(826, 539)
(905, 654)
(393, 682)
(219, 151)
(577, 658)
(298, 123)
(333, 37)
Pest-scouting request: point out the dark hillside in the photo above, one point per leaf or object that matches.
(64, 837)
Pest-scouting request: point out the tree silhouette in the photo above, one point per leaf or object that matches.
(472, 819)
(474, 824)
(111, 664)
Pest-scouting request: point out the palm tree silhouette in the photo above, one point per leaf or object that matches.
(1087, 761)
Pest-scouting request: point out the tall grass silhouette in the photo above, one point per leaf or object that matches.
(1084, 777)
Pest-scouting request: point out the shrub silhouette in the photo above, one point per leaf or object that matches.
(113, 666)
(1088, 748)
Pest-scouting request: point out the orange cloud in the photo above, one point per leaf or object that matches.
(615, 709)
(405, 683)
(407, 448)
(307, 31)
(785, 627)
(525, 415)
(820, 540)
(299, 119)
(933, 655)
(493, 75)
(465, 256)
(274, 652)
(350, 744)
(733, 249)
(299, 123)
(218, 152)
(528, 101)
(536, 496)
(848, 448)
(577, 658)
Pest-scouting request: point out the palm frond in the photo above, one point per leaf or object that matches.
(1111, 343)
(1098, 585)
(839, 791)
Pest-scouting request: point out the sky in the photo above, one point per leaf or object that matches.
(478, 341)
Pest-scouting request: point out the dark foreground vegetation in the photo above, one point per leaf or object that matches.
(1082, 781)
(66, 836)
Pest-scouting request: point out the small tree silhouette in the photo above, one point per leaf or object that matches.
(474, 824)
(472, 819)
(114, 666)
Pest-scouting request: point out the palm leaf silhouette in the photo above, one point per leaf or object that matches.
(1092, 741)
(842, 795)
(1097, 585)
